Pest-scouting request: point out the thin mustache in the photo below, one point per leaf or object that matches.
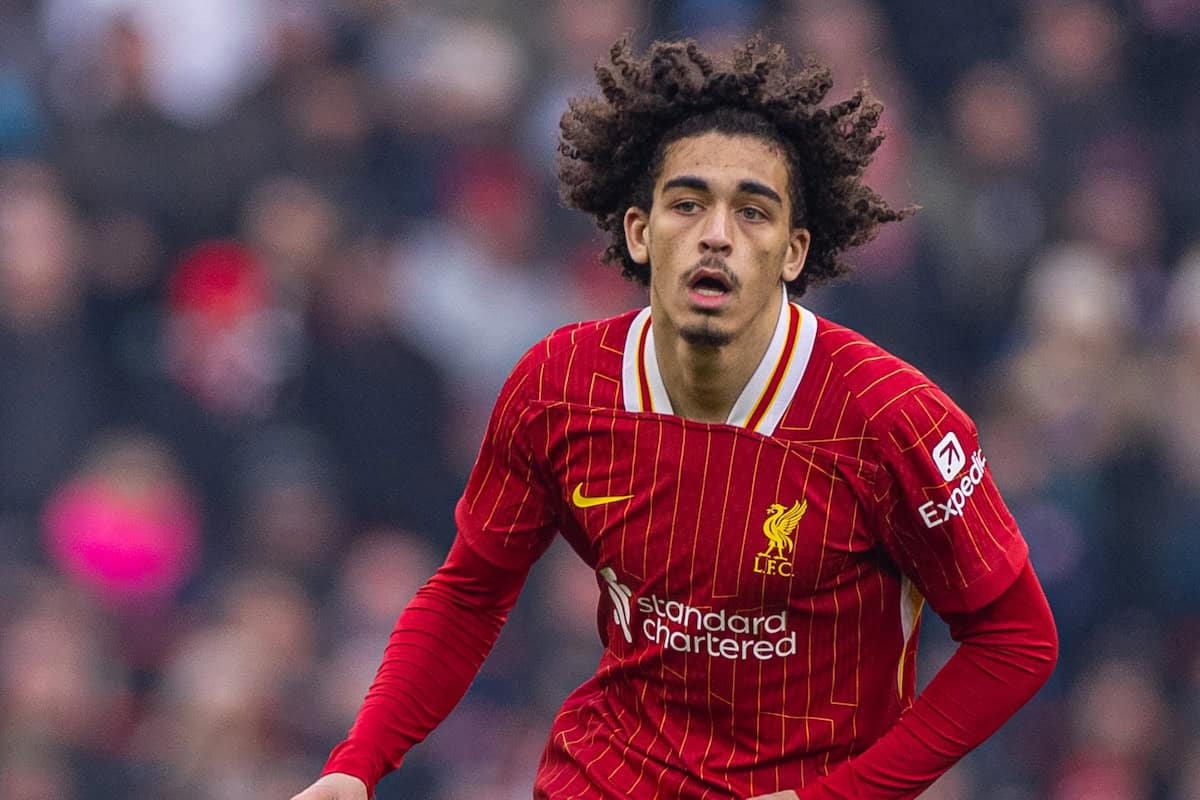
(712, 263)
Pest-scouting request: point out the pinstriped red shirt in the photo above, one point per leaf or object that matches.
(761, 580)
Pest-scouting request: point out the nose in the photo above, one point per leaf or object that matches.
(716, 237)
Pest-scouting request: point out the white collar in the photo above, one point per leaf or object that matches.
(765, 397)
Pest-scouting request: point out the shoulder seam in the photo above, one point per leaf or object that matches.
(877, 423)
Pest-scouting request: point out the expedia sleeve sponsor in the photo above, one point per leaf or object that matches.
(936, 513)
(942, 519)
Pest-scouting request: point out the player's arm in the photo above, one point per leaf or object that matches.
(943, 522)
(433, 654)
(1007, 650)
(506, 520)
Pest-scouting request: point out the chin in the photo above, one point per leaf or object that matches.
(705, 336)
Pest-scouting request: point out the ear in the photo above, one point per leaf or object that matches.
(637, 234)
(797, 252)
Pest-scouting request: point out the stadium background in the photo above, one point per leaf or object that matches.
(264, 264)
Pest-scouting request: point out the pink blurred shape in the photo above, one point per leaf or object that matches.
(126, 547)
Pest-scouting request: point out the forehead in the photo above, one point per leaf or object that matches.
(720, 158)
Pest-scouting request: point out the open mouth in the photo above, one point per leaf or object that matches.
(709, 284)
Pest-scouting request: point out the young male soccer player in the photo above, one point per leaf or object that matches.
(768, 499)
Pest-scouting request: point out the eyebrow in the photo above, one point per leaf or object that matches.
(747, 187)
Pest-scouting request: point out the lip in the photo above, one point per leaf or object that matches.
(708, 302)
(704, 300)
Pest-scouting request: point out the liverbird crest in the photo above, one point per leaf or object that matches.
(779, 526)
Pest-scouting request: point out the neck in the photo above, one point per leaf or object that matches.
(705, 382)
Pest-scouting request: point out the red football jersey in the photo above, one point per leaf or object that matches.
(761, 580)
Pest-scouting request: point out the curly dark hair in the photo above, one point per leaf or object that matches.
(613, 146)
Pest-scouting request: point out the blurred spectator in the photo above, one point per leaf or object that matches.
(983, 196)
(1176, 552)
(40, 255)
(235, 336)
(213, 728)
(1077, 62)
(66, 699)
(456, 75)
(289, 508)
(1117, 729)
(125, 527)
(382, 405)
(567, 615)
(852, 37)
(315, 106)
(225, 342)
(1074, 44)
(1066, 403)
(572, 36)
(441, 82)
(124, 153)
(487, 246)
(293, 229)
(1075, 374)
(381, 572)
(52, 397)
(199, 55)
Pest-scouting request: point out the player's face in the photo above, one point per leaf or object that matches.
(719, 238)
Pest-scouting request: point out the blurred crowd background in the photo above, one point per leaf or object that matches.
(265, 263)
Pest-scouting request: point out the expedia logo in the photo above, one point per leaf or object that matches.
(949, 457)
(936, 514)
(779, 528)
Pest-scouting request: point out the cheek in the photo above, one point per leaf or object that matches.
(663, 245)
(768, 257)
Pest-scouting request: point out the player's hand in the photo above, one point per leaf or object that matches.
(788, 795)
(335, 786)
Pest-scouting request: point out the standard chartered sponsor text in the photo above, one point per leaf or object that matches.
(686, 629)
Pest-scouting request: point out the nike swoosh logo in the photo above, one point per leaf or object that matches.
(581, 501)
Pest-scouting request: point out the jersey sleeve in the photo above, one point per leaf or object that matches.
(508, 511)
(941, 517)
